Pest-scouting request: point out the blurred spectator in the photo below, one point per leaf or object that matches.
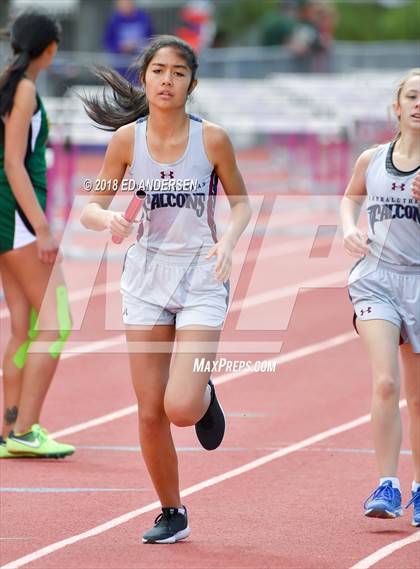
(313, 35)
(326, 21)
(221, 39)
(277, 27)
(305, 37)
(197, 24)
(128, 29)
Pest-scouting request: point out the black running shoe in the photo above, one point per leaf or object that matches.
(210, 428)
(170, 526)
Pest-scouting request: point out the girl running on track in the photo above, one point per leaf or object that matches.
(28, 249)
(384, 287)
(174, 282)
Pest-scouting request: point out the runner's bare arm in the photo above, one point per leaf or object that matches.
(221, 154)
(355, 241)
(95, 214)
(16, 139)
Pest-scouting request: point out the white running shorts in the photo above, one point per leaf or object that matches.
(162, 289)
(379, 290)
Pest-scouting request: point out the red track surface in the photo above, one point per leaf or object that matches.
(302, 510)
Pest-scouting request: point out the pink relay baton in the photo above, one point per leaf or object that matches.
(131, 212)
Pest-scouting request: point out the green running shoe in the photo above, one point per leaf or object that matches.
(4, 453)
(37, 443)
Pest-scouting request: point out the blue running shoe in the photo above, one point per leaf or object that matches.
(384, 502)
(415, 500)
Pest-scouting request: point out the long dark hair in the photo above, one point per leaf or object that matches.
(31, 33)
(129, 102)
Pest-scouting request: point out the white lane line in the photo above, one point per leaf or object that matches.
(282, 359)
(289, 290)
(240, 304)
(75, 349)
(114, 286)
(14, 538)
(294, 355)
(386, 551)
(246, 302)
(67, 490)
(89, 347)
(337, 340)
(80, 294)
(276, 250)
(96, 422)
(44, 551)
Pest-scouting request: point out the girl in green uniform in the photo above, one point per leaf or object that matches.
(28, 250)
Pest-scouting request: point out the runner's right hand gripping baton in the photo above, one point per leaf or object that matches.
(131, 212)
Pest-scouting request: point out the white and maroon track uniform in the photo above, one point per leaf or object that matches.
(166, 278)
(385, 284)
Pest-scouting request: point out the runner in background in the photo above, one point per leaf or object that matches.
(28, 250)
(384, 287)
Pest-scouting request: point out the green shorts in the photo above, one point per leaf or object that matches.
(15, 229)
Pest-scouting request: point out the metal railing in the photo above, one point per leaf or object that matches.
(74, 68)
